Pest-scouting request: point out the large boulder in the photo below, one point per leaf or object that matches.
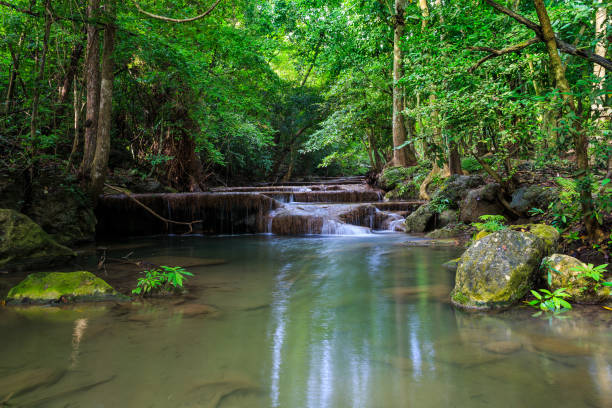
(456, 187)
(50, 287)
(480, 201)
(526, 198)
(24, 244)
(497, 270)
(53, 200)
(421, 220)
(549, 234)
(564, 276)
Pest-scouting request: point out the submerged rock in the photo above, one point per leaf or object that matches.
(24, 244)
(49, 287)
(580, 288)
(503, 347)
(14, 385)
(497, 270)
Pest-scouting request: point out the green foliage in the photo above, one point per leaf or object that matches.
(535, 211)
(440, 204)
(471, 165)
(594, 275)
(166, 279)
(548, 301)
(491, 223)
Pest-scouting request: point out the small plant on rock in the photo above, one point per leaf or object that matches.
(491, 223)
(594, 276)
(439, 204)
(162, 280)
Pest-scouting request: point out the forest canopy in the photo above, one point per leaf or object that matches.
(197, 93)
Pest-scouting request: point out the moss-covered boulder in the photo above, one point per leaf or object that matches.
(50, 287)
(449, 231)
(456, 188)
(497, 270)
(421, 220)
(451, 265)
(580, 288)
(480, 201)
(526, 198)
(24, 244)
(549, 234)
(393, 176)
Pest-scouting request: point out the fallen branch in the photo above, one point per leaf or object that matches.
(156, 215)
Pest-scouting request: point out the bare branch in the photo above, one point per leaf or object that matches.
(562, 45)
(493, 53)
(156, 215)
(176, 20)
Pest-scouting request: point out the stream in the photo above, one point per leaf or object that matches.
(311, 321)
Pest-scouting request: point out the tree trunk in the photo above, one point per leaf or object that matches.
(40, 76)
(580, 139)
(399, 129)
(454, 158)
(100, 160)
(77, 122)
(71, 70)
(92, 72)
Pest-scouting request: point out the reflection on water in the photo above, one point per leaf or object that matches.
(302, 322)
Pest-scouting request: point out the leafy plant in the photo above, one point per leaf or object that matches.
(535, 211)
(573, 236)
(548, 301)
(491, 223)
(549, 270)
(440, 204)
(594, 275)
(165, 279)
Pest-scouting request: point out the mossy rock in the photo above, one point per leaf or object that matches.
(393, 176)
(498, 270)
(421, 220)
(564, 276)
(50, 287)
(448, 231)
(24, 244)
(549, 234)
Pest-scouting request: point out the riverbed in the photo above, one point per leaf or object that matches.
(311, 321)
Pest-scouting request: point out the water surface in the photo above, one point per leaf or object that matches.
(304, 322)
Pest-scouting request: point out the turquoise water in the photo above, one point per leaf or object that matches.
(302, 322)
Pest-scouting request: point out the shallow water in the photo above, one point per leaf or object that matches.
(304, 322)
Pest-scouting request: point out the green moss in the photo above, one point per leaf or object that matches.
(24, 242)
(46, 287)
(459, 297)
(481, 234)
(549, 234)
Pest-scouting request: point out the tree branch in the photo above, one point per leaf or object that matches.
(496, 53)
(562, 45)
(156, 215)
(176, 20)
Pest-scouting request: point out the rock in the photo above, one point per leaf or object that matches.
(549, 234)
(481, 234)
(447, 217)
(497, 270)
(25, 381)
(49, 287)
(193, 309)
(569, 279)
(465, 356)
(558, 346)
(24, 244)
(478, 202)
(456, 187)
(421, 220)
(209, 394)
(503, 347)
(526, 198)
(449, 231)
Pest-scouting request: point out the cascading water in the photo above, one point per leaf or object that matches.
(329, 207)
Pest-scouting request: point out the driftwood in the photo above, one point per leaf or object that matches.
(156, 215)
